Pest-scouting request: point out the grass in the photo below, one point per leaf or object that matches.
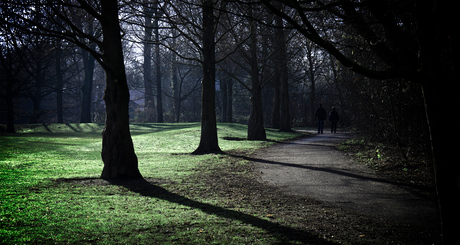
(50, 191)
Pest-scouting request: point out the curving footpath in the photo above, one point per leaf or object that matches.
(313, 167)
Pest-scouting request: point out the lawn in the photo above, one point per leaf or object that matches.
(50, 191)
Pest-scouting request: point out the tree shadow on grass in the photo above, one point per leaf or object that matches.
(283, 233)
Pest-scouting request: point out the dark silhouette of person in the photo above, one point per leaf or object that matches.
(333, 118)
(320, 115)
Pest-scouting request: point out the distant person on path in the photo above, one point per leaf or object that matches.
(333, 118)
(320, 115)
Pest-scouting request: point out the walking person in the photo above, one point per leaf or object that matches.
(333, 118)
(320, 115)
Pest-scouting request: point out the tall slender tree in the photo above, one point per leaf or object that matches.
(156, 28)
(282, 75)
(149, 104)
(256, 130)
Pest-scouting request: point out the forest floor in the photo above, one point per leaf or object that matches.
(50, 191)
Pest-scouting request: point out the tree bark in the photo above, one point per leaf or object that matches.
(446, 169)
(10, 113)
(158, 66)
(176, 87)
(208, 140)
(439, 66)
(311, 72)
(224, 92)
(59, 85)
(149, 104)
(118, 155)
(87, 88)
(229, 100)
(256, 130)
(285, 118)
(276, 117)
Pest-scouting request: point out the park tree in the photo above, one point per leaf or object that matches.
(412, 40)
(281, 69)
(256, 129)
(13, 78)
(58, 20)
(208, 140)
(147, 65)
(198, 21)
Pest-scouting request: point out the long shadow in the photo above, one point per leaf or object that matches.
(158, 127)
(283, 233)
(407, 187)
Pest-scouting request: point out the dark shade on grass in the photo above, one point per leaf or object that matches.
(146, 188)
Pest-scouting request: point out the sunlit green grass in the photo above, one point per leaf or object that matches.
(41, 204)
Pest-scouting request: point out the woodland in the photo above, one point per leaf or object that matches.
(387, 66)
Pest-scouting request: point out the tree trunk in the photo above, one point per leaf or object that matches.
(37, 94)
(285, 118)
(256, 130)
(87, 88)
(158, 66)
(59, 85)
(10, 113)
(176, 87)
(230, 101)
(446, 169)
(149, 104)
(118, 155)
(439, 66)
(208, 140)
(224, 91)
(276, 117)
(311, 72)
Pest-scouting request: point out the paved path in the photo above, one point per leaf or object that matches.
(314, 167)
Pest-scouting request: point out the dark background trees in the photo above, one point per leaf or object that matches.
(412, 41)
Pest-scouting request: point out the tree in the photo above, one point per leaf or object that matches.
(410, 40)
(87, 88)
(208, 139)
(282, 75)
(256, 130)
(147, 65)
(118, 155)
(12, 67)
(156, 28)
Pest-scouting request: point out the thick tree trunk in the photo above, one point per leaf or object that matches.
(444, 148)
(208, 140)
(439, 76)
(285, 118)
(256, 130)
(118, 155)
